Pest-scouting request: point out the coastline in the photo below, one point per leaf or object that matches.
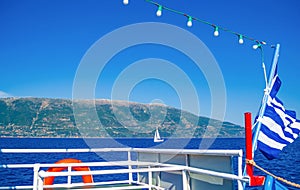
(29, 137)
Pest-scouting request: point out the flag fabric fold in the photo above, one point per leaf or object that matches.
(279, 127)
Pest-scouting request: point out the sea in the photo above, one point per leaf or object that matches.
(286, 166)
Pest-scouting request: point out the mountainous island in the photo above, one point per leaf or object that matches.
(44, 117)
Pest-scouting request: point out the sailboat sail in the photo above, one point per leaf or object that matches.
(157, 134)
(157, 137)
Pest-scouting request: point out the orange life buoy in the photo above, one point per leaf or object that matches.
(85, 178)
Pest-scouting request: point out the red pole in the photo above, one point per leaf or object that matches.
(248, 136)
(254, 180)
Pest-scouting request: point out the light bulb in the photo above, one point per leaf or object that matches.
(216, 32)
(255, 46)
(159, 11)
(189, 22)
(241, 40)
(125, 2)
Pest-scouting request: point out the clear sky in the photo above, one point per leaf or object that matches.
(43, 43)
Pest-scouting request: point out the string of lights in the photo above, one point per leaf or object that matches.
(258, 44)
(190, 19)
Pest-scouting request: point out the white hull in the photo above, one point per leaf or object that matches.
(158, 140)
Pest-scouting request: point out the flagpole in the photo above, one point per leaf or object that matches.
(265, 98)
(257, 127)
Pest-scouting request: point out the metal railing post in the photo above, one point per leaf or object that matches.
(240, 171)
(150, 178)
(185, 184)
(36, 168)
(40, 181)
(130, 177)
(69, 176)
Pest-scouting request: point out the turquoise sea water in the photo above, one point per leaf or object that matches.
(287, 166)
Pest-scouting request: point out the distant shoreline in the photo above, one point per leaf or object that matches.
(55, 118)
(124, 137)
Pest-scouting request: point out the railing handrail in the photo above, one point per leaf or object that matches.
(66, 150)
(100, 164)
(214, 152)
(166, 167)
(109, 171)
(124, 163)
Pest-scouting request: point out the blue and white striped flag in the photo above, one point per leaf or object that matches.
(279, 127)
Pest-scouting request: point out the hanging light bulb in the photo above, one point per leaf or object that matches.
(125, 2)
(256, 46)
(241, 40)
(159, 11)
(216, 32)
(189, 22)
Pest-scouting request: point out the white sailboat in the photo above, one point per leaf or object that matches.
(157, 137)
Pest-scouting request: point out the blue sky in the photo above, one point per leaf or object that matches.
(43, 42)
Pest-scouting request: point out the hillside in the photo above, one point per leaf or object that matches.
(42, 117)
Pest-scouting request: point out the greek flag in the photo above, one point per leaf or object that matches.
(279, 127)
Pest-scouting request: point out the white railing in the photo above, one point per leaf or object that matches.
(141, 167)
